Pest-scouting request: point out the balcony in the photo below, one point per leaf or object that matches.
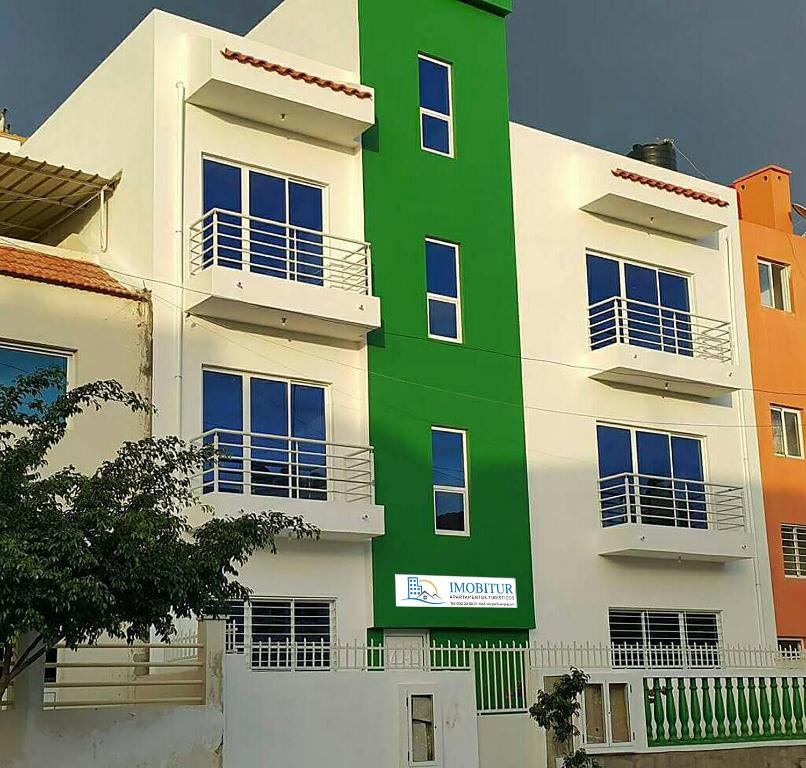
(672, 518)
(273, 87)
(331, 485)
(652, 346)
(261, 272)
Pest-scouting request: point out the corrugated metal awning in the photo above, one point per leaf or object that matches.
(35, 196)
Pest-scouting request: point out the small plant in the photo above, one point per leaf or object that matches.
(556, 712)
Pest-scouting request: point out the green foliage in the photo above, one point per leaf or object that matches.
(109, 552)
(557, 711)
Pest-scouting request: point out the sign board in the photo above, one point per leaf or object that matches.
(413, 591)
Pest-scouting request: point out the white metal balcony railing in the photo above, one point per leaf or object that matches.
(277, 249)
(288, 467)
(675, 502)
(637, 323)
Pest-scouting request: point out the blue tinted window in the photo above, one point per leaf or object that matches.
(221, 186)
(440, 266)
(222, 400)
(436, 134)
(604, 281)
(654, 457)
(308, 411)
(434, 86)
(269, 407)
(448, 456)
(450, 511)
(687, 458)
(615, 451)
(18, 362)
(641, 283)
(442, 319)
(673, 291)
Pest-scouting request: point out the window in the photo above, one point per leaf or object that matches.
(793, 539)
(265, 223)
(786, 432)
(790, 647)
(422, 730)
(282, 633)
(442, 278)
(273, 432)
(650, 638)
(51, 657)
(644, 307)
(18, 360)
(774, 283)
(448, 448)
(436, 114)
(606, 714)
(668, 487)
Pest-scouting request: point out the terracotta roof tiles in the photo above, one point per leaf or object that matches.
(668, 187)
(56, 270)
(348, 90)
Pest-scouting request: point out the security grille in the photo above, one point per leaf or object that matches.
(282, 634)
(793, 538)
(648, 638)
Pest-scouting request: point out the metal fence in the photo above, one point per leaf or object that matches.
(112, 674)
(651, 500)
(289, 467)
(638, 323)
(277, 249)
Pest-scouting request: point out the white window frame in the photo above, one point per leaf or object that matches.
(790, 654)
(799, 553)
(42, 349)
(245, 649)
(646, 646)
(435, 114)
(457, 302)
(783, 410)
(785, 286)
(608, 745)
(246, 416)
(406, 693)
(464, 491)
(245, 212)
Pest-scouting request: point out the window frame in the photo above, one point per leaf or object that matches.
(784, 410)
(247, 630)
(645, 648)
(463, 490)
(44, 349)
(799, 554)
(407, 692)
(786, 290)
(456, 302)
(608, 745)
(792, 653)
(245, 211)
(425, 111)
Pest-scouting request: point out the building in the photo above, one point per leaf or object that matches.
(507, 375)
(773, 283)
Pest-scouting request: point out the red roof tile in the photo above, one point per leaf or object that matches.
(71, 273)
(667, 187)
(243, 58)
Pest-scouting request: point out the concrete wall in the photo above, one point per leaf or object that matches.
(563, 404)
(157, 736)
(341, 719)
(108, 338)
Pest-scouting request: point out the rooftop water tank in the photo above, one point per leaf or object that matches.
(658, 153)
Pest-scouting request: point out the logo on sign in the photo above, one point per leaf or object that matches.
(423, 591)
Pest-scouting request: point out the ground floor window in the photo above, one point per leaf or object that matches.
(606, 714)
(793, 540)
(657, 638)
(790, 647)
(282, 633)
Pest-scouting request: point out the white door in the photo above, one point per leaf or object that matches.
(406, 650)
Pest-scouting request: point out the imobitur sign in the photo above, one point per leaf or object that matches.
(454, 592)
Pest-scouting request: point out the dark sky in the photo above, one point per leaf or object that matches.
(725, 78)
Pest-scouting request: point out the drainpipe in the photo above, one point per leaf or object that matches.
(751, 517)
(179, 248)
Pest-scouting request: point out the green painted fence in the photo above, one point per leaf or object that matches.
(724, 710)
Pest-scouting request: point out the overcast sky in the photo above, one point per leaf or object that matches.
(725, 78)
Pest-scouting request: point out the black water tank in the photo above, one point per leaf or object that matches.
(660, 153)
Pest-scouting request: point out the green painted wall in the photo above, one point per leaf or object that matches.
(416, 382)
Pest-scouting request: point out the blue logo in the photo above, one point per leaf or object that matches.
(422, 591)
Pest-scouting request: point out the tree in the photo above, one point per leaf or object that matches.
(111, 552)
(556, 711)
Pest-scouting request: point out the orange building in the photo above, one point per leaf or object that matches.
(775, 286)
